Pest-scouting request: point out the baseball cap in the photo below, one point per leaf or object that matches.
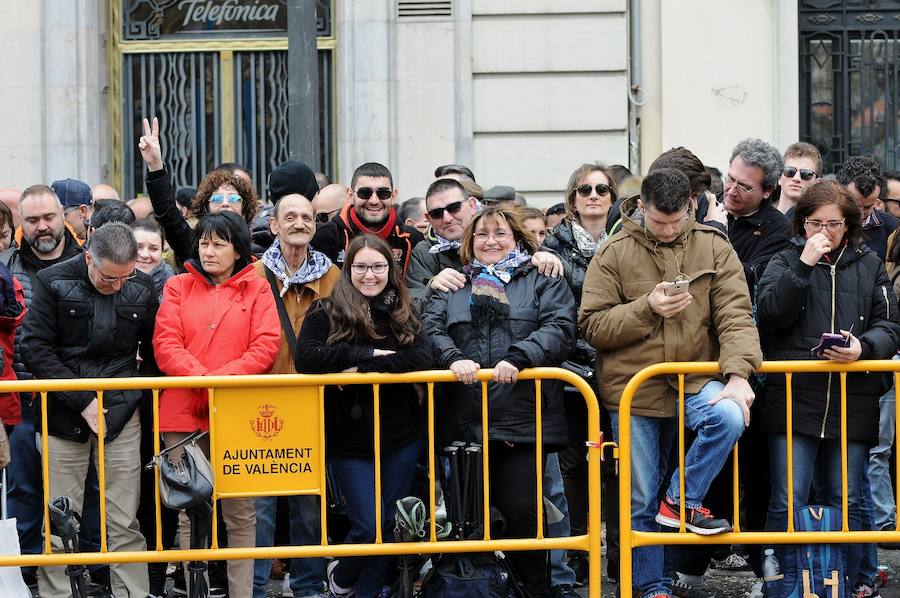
(72, 192)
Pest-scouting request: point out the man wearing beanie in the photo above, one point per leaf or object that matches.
(298, 275)
(369, 211)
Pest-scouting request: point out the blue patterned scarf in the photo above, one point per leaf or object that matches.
(314, 268)
(488, 299)
(441, 244)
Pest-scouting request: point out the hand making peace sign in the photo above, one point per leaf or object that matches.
(149, 146)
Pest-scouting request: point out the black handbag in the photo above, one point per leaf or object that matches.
(187, 482)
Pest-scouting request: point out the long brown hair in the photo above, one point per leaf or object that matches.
(512, 217)
(825, 193)
(216, 179)
(348, 310)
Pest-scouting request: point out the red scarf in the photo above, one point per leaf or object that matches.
(384, 232)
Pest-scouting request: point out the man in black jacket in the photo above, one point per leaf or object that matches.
(369, 211)
(91, 317)
(864, 180)
(43, 240)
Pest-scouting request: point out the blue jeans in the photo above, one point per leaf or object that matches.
(306, 575)
(560, 572)
(356, 478)
(718, 427)
(880, 464)
(805, 449)
(868, 565)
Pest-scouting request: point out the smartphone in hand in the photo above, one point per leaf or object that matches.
(828, 341)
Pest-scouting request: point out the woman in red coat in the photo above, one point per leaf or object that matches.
(217, 319)
(12, 313)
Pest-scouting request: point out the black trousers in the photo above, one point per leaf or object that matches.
(514, 491)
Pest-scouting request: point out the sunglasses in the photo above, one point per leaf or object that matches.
(452, 208)
(230, 198)
(585, 190)
(383, 193)
(805, 173)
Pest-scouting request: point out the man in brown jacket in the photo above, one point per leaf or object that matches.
(299, 275)
(635, 316)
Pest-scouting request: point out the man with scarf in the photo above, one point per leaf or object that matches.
(298, 275)
(369, 211)
(435, 264)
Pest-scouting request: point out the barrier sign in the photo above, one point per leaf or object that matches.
(267, 440)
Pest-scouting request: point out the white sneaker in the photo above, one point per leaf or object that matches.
(286, 587)
(756, 589)
(335, 589)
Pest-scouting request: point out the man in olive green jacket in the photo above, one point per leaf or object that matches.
(635, 316)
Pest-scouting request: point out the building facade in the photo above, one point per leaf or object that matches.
(522, 91)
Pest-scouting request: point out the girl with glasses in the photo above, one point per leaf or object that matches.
(367, 325)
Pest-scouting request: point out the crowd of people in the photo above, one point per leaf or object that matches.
(683, 264)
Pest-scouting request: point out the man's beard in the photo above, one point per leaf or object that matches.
(44, 244)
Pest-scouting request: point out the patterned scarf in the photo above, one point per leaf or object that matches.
(314, 268)
(443, 245)
(488, 300)
(585, 242)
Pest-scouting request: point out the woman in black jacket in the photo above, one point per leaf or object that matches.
(506, 317)
(367, 325)
(827, 281)
(590, 193)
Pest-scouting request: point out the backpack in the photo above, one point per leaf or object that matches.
(470, 575)
(814, 568)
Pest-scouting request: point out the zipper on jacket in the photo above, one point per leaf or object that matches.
(887, 304)
(828, 383)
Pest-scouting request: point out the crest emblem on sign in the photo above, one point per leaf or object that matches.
(267, 425)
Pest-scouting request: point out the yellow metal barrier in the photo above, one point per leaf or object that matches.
(630, 539)
(231, 396)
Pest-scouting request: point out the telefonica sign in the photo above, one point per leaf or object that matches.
(159, 19)
(227, 12)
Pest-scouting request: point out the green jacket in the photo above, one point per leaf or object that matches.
(424, 265)
(616, 318)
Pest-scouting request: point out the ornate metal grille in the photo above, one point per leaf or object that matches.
(181, 89)
(850, 79)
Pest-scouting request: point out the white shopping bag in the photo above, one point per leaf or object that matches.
(11, 583)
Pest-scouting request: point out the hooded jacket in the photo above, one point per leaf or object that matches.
(616, 318)
(205, 329)
(797, 303)
(333, 238)
(539, 331)
(74, 331)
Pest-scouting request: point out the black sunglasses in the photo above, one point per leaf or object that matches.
(323, 217)
(383, 193)
(438, 213)
(585, 190)
(805, 173)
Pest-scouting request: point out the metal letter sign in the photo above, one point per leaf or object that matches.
(267, 442)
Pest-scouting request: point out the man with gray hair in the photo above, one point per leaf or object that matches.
(756, 229)
(90, 316)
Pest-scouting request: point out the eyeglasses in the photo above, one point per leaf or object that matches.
(805, 173)
(230, 198)
(110, 279)
(730, 182)
(452, 208)
(499, 236)
(323, 217)
(383, 193)
(375, 268)
(585, 190)
(832, 225)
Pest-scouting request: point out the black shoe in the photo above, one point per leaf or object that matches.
(683, 590)
(563, 591)
(578, 563)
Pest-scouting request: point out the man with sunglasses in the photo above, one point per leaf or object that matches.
(802, 168)
(369, 211)
(89, 317)
(329, 201)
(435, 263)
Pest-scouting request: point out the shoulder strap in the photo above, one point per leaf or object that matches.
(286, 326)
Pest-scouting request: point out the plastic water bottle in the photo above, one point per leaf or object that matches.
(771, 568)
